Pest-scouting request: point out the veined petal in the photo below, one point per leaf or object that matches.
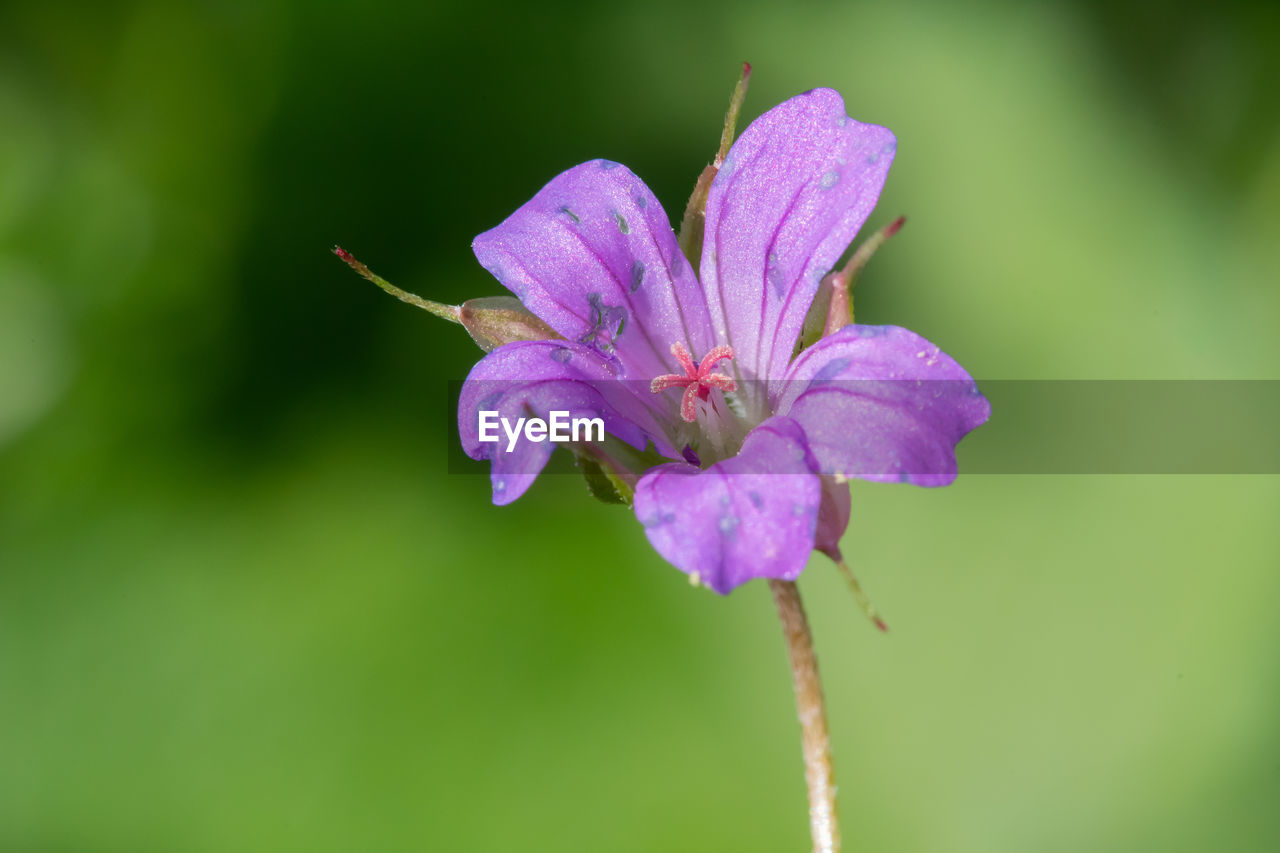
(750, 516)
(882, 403)
(793, 192)
(594, 256)
(533, 379)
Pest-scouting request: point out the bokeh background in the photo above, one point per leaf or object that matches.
(244, 605)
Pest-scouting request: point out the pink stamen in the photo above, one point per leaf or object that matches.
(686, 360)
(689, 403)
(719, 380)
(698, 379)
(714, 357)
(662, 383)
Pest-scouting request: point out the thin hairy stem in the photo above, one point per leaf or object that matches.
(815, 741)
(447, 312)
(863, 600)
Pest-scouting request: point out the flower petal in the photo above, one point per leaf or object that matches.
(533, 379)
(594, 256)
(793, 192)
(750, 516)
(882, 403)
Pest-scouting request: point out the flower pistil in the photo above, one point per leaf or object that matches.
(698, 379)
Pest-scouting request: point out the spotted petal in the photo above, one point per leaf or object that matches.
(594, 256)
(533, 379)
(882, 403)
(750, 516)
(793, 192)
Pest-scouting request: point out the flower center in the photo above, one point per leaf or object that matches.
(698, 379)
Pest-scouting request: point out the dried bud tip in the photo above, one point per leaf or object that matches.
(879, 623)
(895, 226)
(351, 261)
(746, 71)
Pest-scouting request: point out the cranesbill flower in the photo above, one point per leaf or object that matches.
(698, 371)
(737, 401)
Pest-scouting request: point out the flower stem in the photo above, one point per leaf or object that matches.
(815, 742)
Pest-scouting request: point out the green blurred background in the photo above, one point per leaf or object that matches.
(243, 606)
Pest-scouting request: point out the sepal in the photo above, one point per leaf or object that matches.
(492, 321)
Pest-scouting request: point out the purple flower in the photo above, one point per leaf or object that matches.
(755, 441)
